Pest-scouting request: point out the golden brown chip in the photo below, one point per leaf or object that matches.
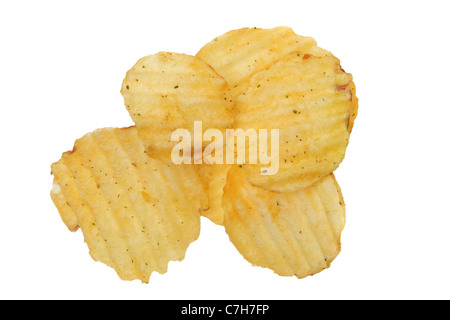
(136, 213)
(296, 233)
(308, 100)
(214, 177)
(167, 91)
(238, 54)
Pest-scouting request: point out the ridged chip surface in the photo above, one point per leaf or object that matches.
(168, 91)
(238, 54)
(136, 213)
(308, 100)
(293, 234)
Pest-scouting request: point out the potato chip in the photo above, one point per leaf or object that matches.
(136, 213)
(214, 177)
(167, 91)
(238, 54)
(307, 99)
(294, 233)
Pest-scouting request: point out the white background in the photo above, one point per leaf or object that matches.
(61, 68)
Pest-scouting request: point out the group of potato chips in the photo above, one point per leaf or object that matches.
(138, 210)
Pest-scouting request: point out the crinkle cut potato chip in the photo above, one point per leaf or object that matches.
(168, 91)
(238, 54)
(307, 99)
(136, 213)
(294, 234)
